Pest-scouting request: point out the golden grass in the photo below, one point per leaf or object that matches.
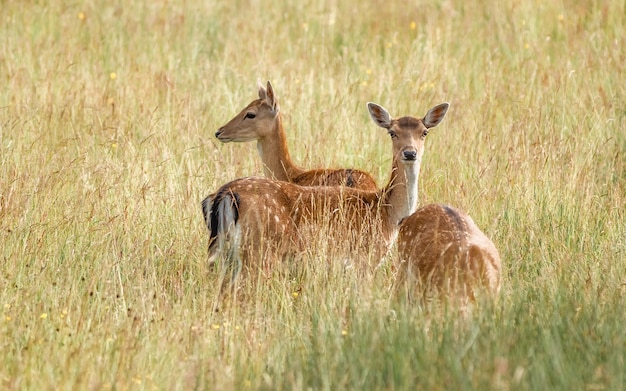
(107, 115)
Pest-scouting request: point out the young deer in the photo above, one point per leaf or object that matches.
(261, 121)
(255, 218)
(443, 252)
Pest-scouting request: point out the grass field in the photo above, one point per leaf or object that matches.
(107, 116)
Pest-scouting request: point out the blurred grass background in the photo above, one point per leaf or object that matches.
(107, 116)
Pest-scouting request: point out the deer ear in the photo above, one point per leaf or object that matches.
(262, 92)
(435, 115)
(271, 98)
(379, 115)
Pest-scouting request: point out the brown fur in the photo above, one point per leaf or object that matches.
(442, 251)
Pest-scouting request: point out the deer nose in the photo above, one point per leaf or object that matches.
(410, 155)
(219, 131)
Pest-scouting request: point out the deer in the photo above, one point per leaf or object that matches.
(444, 254)
(261, 121)
(258, 219)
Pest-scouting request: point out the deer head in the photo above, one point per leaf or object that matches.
(408, 135)
(255, 121)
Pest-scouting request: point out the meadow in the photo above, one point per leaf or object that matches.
(107, 118)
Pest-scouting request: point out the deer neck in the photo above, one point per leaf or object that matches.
(273, 150)
(412, 176)
(399, 197)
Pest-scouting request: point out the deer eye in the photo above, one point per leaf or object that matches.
(250, 115)
(425, 133)
(393, 134)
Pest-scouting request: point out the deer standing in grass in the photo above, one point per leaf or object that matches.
(252, 219)
(261, 120)
(444, 253)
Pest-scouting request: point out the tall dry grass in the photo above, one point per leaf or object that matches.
(107, 111)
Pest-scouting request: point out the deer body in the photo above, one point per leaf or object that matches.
(261, 218)
(261, 120)
(442, 251)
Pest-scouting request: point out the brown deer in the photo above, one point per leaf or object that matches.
(444, 253)
(261, 120)
(255, 218)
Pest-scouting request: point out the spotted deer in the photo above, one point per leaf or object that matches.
(444, 253)
(255, 218)
(261, 121)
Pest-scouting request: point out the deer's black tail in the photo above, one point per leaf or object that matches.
(221, 215)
